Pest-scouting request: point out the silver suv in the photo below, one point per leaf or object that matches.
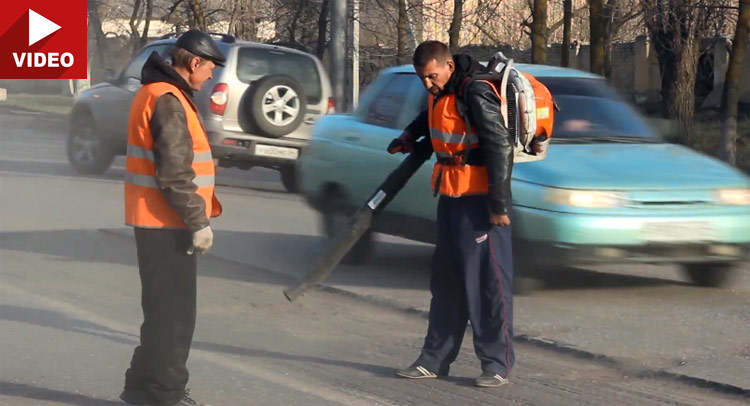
(259, 110)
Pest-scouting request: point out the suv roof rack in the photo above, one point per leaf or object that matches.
(292, 45)
(229, 39)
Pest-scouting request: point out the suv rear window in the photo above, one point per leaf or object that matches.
(255, 63)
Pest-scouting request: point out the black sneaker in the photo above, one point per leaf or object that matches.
(419, 372)
(491, 380)
(188, 401)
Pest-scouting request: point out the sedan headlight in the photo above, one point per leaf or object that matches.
(736, 197)
(585, 198)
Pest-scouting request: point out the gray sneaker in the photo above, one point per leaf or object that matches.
(416, 372)
(491, 380)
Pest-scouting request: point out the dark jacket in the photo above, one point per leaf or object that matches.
(495, 142)
(173, 146)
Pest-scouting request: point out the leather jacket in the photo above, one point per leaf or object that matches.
(495, 142)
(173, 146)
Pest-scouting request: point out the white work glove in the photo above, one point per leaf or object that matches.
(202, 241)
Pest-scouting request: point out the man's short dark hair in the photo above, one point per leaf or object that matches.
(429, 50)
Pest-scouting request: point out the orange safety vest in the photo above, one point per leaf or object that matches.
(145, 205)
(448, 133)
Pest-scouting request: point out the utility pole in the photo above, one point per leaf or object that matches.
(338, 52)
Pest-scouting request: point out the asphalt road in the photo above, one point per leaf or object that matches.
(69, 308)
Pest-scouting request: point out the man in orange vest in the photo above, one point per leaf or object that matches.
(472, 267)
(169, 198)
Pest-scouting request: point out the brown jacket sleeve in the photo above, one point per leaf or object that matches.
(173, 154)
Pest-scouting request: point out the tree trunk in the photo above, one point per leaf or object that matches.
(610, 11)
(596, 28)
(199, 18)
(244, 20)
(567, 27)
(730, 99)
(147, 23)
(454, 31)
(682, 93)
(96, 24)
(678, 61)
(292, 28)
(677, 47)
(401, 46)
(135, 36)
(539, 32)
(322, 28)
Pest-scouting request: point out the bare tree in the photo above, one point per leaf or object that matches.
(401, 41)
(242, 19)
(138, 16)
(567, 22)
(616, 14)
(147, 22)
(539, 32)
(95, 22)
(199, 17)
(322, 28)
(730, 100)
(454, 32)
(676, 27)
(597, 29)
(611, 10)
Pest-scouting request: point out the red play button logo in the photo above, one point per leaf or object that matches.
(43, 39)
(40, 27)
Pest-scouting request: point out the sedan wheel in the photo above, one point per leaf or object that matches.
(87, 152)
(710, 275)
(336, 218)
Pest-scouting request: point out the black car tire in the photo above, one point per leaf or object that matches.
(526, 278)
(289, 179)
(88, 152)
(271, 117)
(336, 216)
(712, 275)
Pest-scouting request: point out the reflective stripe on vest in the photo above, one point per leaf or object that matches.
(142, 153)
(450, 138)
(145, 205)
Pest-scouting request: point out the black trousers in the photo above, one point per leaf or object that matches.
(168, 297)
(472, 279)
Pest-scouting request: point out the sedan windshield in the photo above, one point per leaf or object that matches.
(590, 111)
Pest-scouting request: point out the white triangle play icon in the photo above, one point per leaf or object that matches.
(39, 27)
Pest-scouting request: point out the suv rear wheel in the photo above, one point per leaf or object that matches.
(275, 105)
(87, 152)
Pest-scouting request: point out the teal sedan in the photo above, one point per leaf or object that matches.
(610, 190)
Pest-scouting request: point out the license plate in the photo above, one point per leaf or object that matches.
(276, 152)
(686, 231)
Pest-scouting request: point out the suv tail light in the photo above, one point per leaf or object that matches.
(331, 106)
(219, 98)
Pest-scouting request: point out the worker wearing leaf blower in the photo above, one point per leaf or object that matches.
(472, 267)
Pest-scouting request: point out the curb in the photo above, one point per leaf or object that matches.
(13, 108)
(539, 342)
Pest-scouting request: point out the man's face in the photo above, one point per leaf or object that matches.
(435, 75)
(200, 71)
